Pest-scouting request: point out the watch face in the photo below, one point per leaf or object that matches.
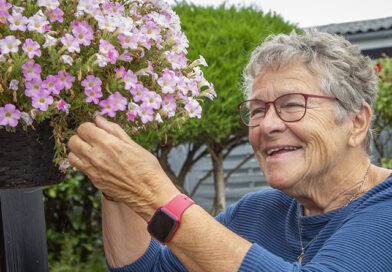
(162, 225)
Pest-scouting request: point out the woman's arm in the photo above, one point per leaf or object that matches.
(124, 170)
(202, 239)
(125, 238)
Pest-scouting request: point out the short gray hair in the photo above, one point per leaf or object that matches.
(342, 70)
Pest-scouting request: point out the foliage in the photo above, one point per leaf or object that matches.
(383, 111)
(225, 37)
(67, 61)
(73, 216)
(94, 263)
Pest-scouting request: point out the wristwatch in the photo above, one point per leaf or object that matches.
(164, 223)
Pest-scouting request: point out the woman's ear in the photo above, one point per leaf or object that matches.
(361, 123)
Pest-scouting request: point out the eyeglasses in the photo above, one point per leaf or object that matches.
(289, 107)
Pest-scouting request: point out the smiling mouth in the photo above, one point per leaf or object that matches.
(281, 150)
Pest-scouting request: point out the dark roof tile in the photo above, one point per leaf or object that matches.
(358, 26)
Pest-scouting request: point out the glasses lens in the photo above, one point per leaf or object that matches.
(252, 112)
(291, 107)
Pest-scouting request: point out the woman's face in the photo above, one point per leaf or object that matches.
(303, 151)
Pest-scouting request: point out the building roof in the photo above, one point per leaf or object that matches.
(357, 27)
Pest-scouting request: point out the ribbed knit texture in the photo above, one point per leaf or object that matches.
(354, 238)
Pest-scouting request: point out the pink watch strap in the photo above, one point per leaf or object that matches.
(178, 205)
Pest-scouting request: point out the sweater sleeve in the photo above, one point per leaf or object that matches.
(157, 258)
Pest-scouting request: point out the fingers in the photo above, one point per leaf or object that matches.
(75, 161)
(79, 148)
(112, 128)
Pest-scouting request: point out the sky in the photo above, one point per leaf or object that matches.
(306, 13)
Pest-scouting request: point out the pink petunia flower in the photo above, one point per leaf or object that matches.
(192, 86)
(33, 87)
(168, 81)
(151, 30)
(4, 15)
(120, 72)
(138, 92)
(108, 23)
(65, 80)
(193, 108)
(133, 109)
(211, 94)
(14, 85)
(16, 9)
(130, 80)
(108, 107)
(178, 61)
(93, 94)
(9, 115)
(152, 99)
(49, 41)
(42, 99)
(115, 9)
(56, 15)
(67, 59)
(70, 43)
(17, 22)
(31, 48)
(113, 55)
(37, 23)
(31, 70)
(146, 113)
(9, 44)
(158, 118)
(169, 105)
(108, 50)
(65, 164)
(49, 4)
(118, 101)
(128, 41)
(101, 60)
(201, 61)
(91, 81)
(182, 85)
(27, 118)
(64, 106)
(52, 84)
(4, 5)
(83, 32)
(126, 56)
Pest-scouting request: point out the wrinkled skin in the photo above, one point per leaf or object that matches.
(119, 167)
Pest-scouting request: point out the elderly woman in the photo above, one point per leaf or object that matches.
(308, 112)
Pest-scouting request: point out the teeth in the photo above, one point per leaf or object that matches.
(269, 152)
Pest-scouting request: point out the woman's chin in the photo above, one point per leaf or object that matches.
(279, 181)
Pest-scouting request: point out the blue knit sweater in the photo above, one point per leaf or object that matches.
(356, 238)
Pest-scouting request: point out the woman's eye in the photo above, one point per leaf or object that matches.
(292, 105)
(257, 112)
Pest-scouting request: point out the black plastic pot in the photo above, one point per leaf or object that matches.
(26, 158)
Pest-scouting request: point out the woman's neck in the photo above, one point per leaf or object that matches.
(337, 188)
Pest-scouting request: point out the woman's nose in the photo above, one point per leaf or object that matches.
(271, 121)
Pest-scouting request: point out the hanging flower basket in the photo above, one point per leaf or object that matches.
(26, 158)
(65, 61)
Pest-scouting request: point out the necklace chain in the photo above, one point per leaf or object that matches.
(303, 249)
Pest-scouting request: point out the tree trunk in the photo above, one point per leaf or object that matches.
(219, 183)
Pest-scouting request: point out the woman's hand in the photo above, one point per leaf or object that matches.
(119, 167)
